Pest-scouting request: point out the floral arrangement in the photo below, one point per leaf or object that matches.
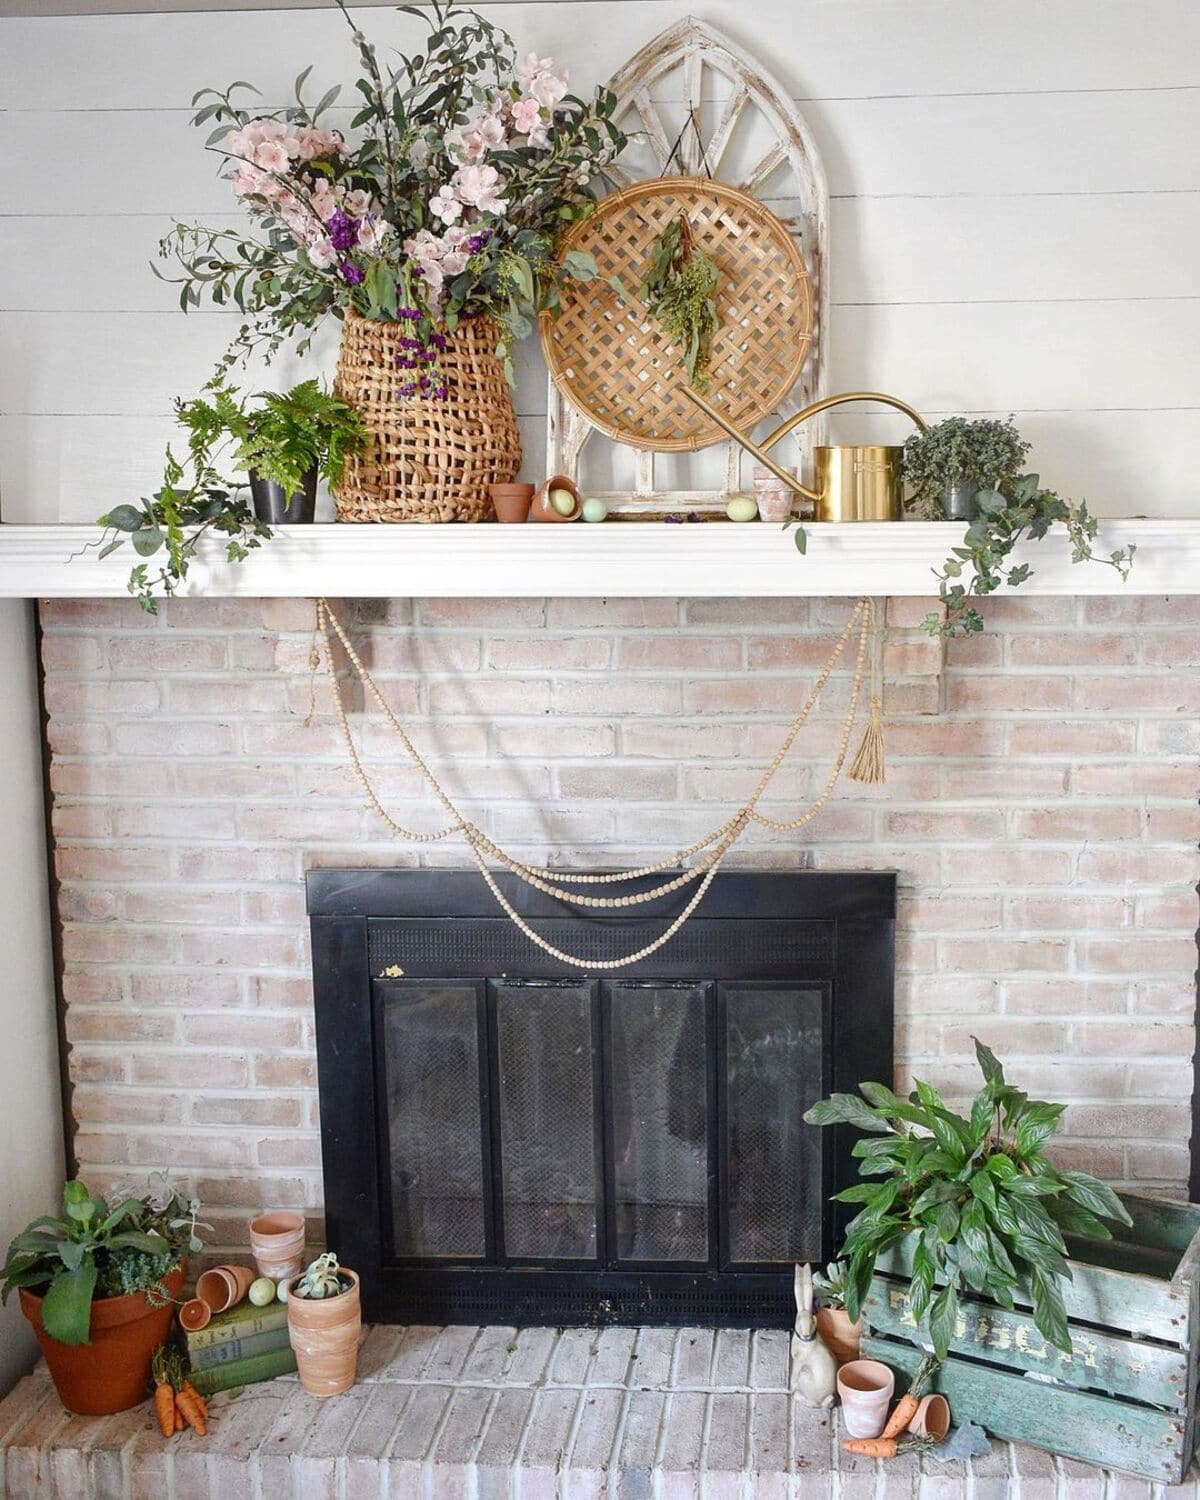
(447, 203)
(680, 290)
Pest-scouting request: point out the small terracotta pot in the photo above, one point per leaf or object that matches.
(195, 1315)
(542, 508)
(511, 502)
(112, 1372)
(932, 1418)
(865, 1387)
(775, 499)
(277, 1244)
(223, 1287)
(324, 1334)
(839, 1335)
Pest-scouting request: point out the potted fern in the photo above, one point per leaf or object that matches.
(950, 463)
(324, 1324)
(98, 1283)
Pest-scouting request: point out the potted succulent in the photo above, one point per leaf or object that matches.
(948, 465)
(984, 1209)
(98, 1283)
(840, 1332)
(324, 1323)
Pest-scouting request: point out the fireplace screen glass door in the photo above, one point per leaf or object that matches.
(548, 1122)
(509, 1140)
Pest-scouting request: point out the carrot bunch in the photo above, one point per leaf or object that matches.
(892, 1439)
(177, 1402)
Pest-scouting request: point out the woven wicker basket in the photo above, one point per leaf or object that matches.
(425, 460)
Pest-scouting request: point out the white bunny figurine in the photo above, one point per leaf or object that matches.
(814, 1369)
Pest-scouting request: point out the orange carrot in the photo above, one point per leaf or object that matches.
(887, 1447)
(880, 1447)
(179, 1422)
(906, 1408)
(193, 1413)
(190, 1390)
(164, 1407)
(902, 1414)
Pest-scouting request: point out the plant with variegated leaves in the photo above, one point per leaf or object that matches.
(986, 1210)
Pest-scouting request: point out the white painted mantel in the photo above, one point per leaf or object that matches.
(617, 559)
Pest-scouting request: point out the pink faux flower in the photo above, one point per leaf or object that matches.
(322, 254)
(480, 187)
(549, 87)
(271, 156)
(445, 205)
(526, 113)
(372, 232)
(531, 65)
(357, 203)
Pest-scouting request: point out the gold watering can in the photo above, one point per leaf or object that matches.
(854, 482)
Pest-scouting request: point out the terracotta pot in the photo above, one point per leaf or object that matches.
(277, 1244)
(865, 1387)
(194, 1315)
(223, 1287)
(839, 1335)
(511, 502)
(324, 1335)
(542, 508)
(932, 1418)
(112, 1373)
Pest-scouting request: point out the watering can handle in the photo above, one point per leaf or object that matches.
(759, 450)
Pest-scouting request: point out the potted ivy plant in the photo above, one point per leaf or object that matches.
(950, 463)
(977, 1197)
(324, 1324)
(98, 1283)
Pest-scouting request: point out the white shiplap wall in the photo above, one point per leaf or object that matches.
(1016, 209)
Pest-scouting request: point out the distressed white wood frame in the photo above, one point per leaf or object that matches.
(687, 49)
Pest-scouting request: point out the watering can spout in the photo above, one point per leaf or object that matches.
(859, 482)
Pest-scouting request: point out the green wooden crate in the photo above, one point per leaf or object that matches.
(1126, 1398)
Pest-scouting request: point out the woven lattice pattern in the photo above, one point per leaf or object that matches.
(426, 459)
(614, 363)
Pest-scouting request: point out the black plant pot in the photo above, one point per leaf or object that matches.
(277, 509)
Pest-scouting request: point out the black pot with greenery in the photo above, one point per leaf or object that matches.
(277, 506)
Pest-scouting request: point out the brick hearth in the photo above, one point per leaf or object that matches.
(496, 1414)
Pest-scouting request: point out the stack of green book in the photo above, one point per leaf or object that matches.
(240, 1347)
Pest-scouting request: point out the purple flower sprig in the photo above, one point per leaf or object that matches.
(420, 351)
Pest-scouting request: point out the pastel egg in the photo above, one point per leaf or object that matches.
(742, 508)
(594, 509)
(563, 501)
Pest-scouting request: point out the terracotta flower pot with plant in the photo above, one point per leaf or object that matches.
(98, 1285)
(324, 1325)
(840, 1333)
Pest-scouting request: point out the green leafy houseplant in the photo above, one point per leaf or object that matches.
(986, 1209)
(280, 439)
(93, 1251)
(988, 454)
(1011, 506)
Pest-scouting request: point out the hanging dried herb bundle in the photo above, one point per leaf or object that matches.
(680, 290)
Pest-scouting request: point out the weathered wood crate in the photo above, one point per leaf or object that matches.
(1126, 1398)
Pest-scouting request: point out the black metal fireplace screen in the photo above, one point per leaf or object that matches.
(506, 1142)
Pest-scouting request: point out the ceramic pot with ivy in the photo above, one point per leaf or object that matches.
(324, 1325)
(98, 1284)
